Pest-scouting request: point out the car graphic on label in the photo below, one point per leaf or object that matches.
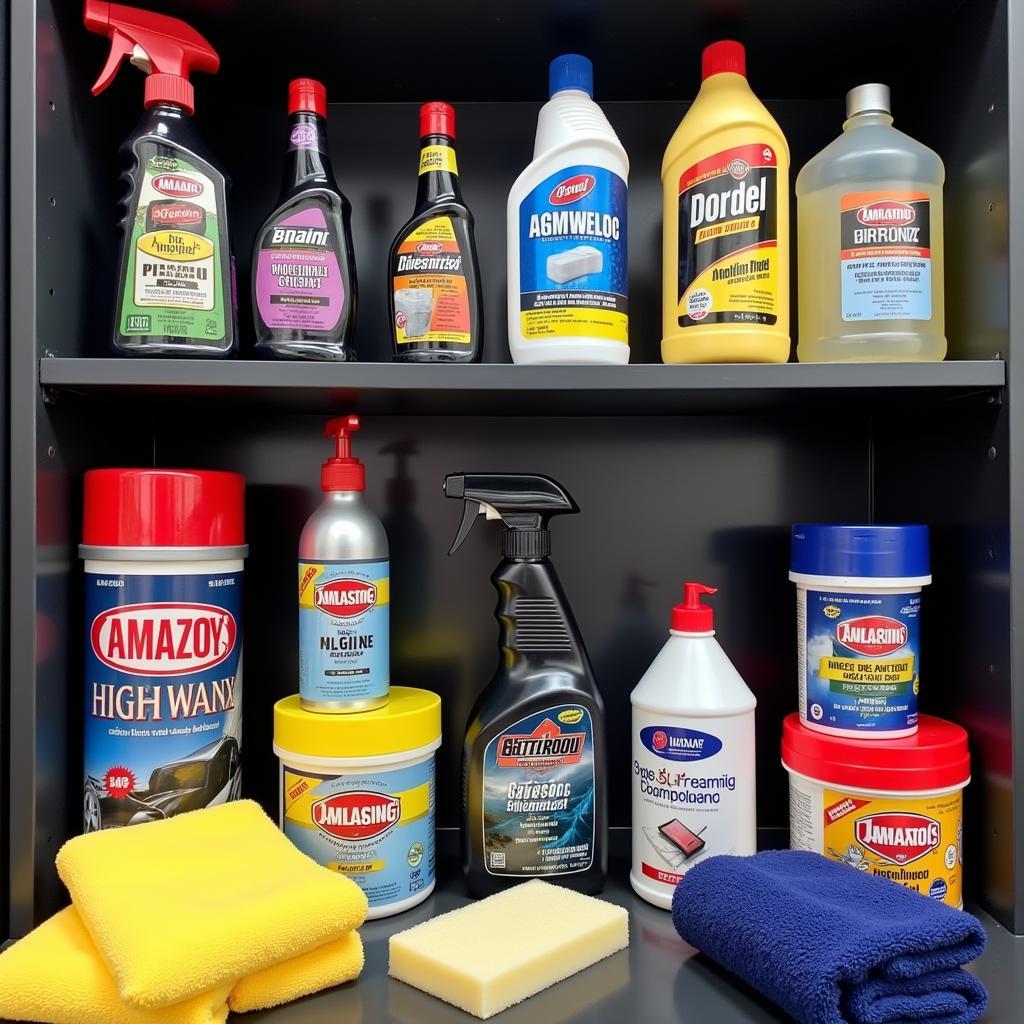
(210, 775)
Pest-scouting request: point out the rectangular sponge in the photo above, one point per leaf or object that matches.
(490, 955)
(574, 263)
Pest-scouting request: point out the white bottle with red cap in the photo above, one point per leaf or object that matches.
(344, 590)
(693, 765)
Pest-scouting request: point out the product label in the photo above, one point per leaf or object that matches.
(173, 284)
(538, 794)
(693, 793)
(377, 827)
(438, 158)
(344, 630)
(429, 284)
(885, 256)
(163, 695)
(728, 238)
(572, 256)
(298, 278)
(859, 657)
(917, 842)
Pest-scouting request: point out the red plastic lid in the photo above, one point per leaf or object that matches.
(437, 119)
(169, 89)
(725, 55)
(307, 94)
(342, 472)
(693, 616)
(178, 508)
(935, 757)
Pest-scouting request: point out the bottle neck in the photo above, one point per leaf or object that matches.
(439, 174)
(308, 161)
(346, 499)
(866, 118)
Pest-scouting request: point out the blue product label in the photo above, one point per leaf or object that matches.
(344, 631)
(674, 744)
(538, 786)
(377, 827)
(860, 654)
(163, 695)
(572, 256)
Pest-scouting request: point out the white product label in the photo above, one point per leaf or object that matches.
(693, 792)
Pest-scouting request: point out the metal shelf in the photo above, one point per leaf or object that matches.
(505, 389)
(659, 978)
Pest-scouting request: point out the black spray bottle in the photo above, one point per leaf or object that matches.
(303, 267)
(534, 792)
(433, 275)
(176, 282)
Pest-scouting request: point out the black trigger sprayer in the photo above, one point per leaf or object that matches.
(541, 712)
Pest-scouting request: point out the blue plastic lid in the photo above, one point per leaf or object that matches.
(898, 552)
(571, 71)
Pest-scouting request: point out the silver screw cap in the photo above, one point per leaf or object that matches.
(864, 98)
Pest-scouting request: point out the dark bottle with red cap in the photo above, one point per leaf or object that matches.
(303, 263)
(433, 276)
(175, 292)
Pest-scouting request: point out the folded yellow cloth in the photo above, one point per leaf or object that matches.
(56, 976)
(328, 965)
(180, 906)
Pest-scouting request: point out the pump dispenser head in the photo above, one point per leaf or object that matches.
(165, 48)
(342, 472)
(571, 71)
(524, 502)
(693, 616)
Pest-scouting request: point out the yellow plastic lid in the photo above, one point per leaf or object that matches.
(410, 719)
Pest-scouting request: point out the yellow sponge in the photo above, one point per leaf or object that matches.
(180, 906)
(490, 955)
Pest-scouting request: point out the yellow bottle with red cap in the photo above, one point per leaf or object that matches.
(725, 181)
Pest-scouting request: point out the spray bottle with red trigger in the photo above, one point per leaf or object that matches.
(175, 291)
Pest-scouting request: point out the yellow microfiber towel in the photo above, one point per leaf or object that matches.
(55, 975)
(180, 906)
(328, 965)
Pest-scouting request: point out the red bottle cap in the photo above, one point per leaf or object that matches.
(693, 616)
(437, 119)
(307, 94)
(725, 55)
(169, 89)
(163, 508)
(935, 757)
(342, 472)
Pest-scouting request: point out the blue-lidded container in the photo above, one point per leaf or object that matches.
(859, 626)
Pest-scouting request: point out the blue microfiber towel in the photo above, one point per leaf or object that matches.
(832, 945)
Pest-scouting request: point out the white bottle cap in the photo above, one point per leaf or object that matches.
(864, 98)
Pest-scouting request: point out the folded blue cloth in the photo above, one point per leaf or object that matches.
(832, 945)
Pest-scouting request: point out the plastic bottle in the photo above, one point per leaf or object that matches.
(870, 242)
(693, 764)
(344, 590)
(437, 313)
(567, 274)
(176, 283)
(303, 264)
(534, 787)
(725, 181)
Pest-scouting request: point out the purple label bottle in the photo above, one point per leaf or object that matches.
(303, 269)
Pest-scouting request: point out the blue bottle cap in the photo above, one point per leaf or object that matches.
(895, 551)
(571, 71)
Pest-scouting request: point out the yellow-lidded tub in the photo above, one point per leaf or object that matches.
(357, 793)
(893, 808)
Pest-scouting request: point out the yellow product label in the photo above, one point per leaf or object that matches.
(728, 239)
(357, 868)
(302, 793)
(917, 842)
(438, 158)
(575, 322)
(869, 672)
(310, 573)
(176, 246)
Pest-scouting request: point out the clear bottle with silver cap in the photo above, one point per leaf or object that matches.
(869, 253)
